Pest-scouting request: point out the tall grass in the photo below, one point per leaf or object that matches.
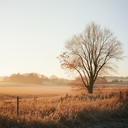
(78, 110)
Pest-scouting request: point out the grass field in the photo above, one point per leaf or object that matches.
(60, 107)
(8, 89)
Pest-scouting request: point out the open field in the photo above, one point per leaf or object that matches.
(47, 89)
(59, 107)
(26, 90)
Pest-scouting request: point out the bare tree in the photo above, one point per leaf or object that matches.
(90, 53)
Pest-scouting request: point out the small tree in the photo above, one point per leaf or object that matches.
(90, 53)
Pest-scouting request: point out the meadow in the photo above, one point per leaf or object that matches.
(63, 107)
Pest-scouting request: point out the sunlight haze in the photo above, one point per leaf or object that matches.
(33, 32)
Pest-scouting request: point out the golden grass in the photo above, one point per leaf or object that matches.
(78, 110)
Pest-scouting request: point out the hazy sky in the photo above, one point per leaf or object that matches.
(33, 32)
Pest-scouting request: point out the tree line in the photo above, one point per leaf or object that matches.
(32, 78)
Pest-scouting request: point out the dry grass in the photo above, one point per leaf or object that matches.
(100, 110)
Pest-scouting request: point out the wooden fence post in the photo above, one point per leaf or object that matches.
(121, 97)
(17, 109)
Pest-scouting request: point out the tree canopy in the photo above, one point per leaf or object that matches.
(91, 52)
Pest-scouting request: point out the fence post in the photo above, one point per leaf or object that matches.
(17, 109)
(121, 97)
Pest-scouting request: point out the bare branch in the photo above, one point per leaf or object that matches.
(91, 52)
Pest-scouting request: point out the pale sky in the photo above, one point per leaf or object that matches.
(33, 32)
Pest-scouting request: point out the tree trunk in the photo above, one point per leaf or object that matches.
(90, 89)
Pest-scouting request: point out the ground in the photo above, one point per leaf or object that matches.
(61, 107)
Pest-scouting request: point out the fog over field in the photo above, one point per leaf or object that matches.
(10, 89)
(18, 89)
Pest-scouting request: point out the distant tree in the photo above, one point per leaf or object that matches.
(91, 53)
(53, 77)
(33, 78)
(43, 77)
(115, 81)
